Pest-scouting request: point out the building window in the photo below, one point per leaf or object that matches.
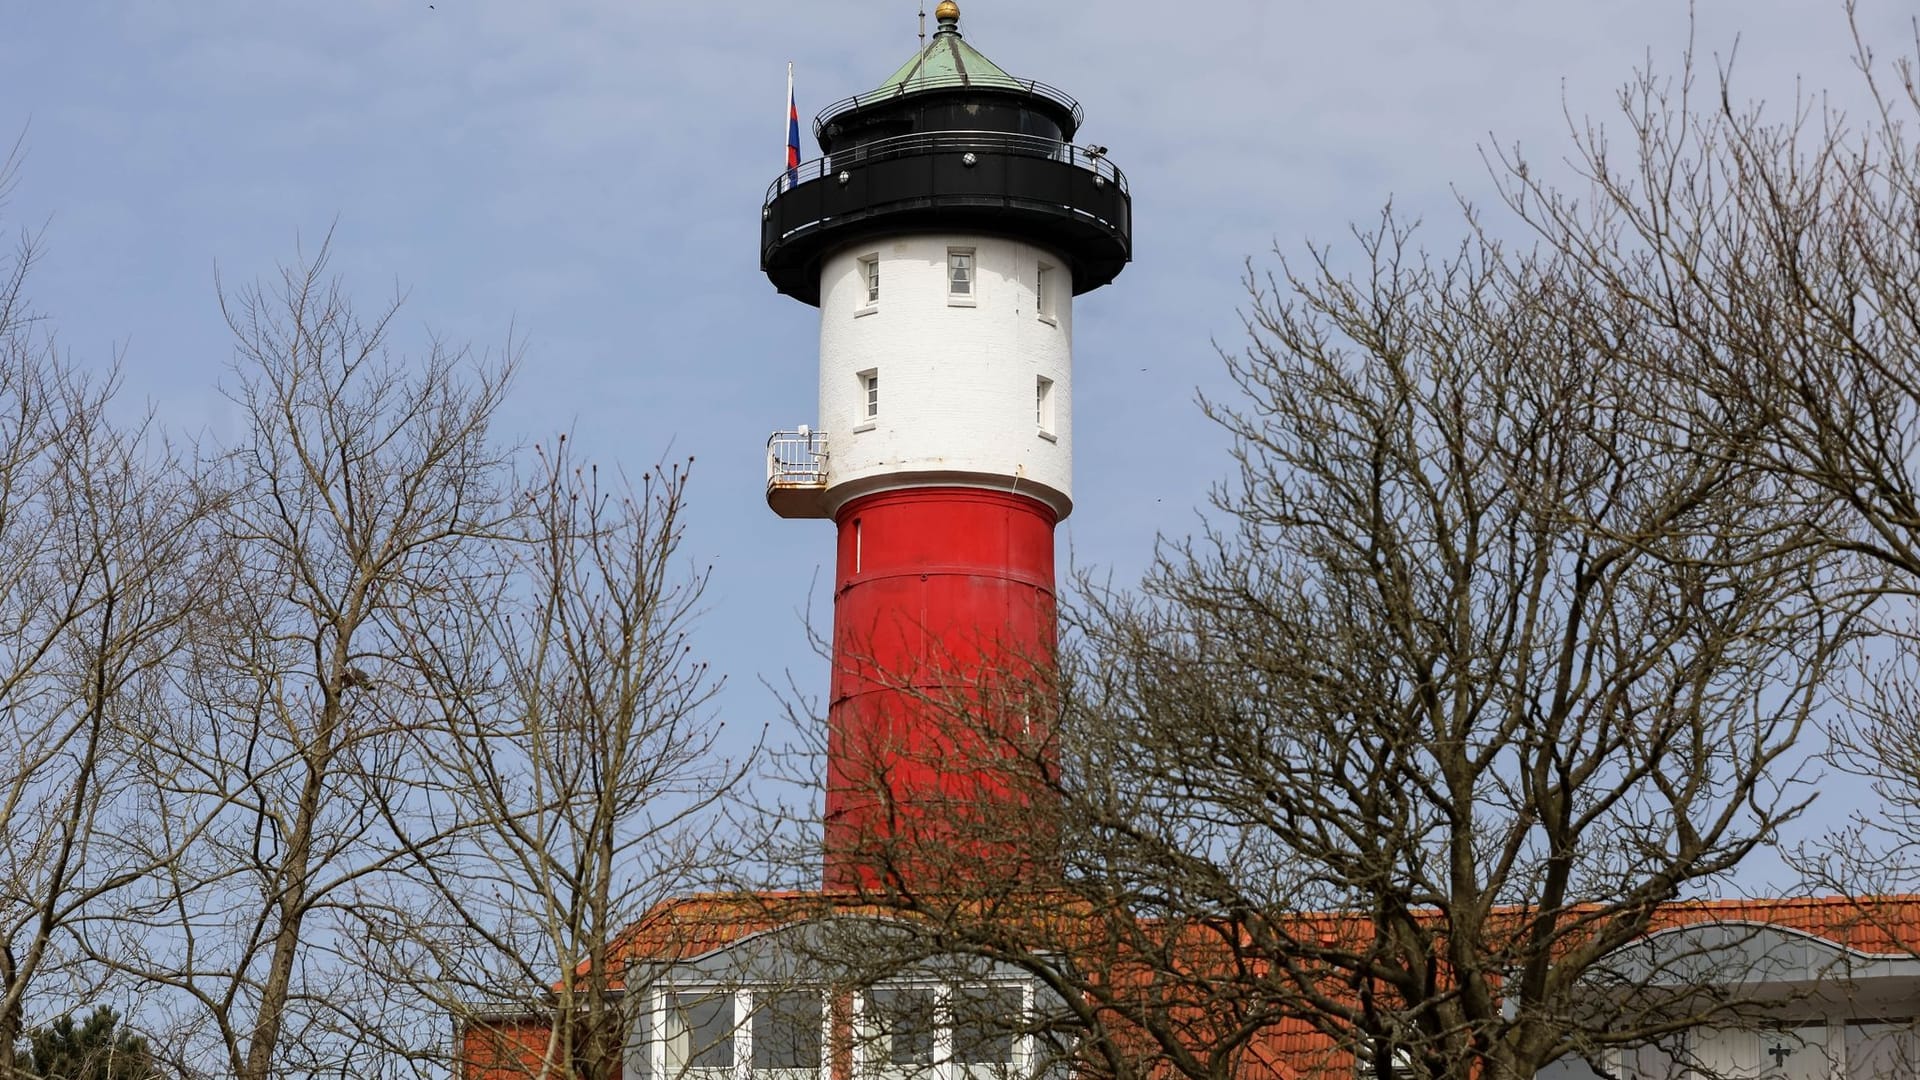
(1044, 286)
(940, 1033)
(755, 1034)
(696, 1033)
(1882, 1049)
(960, 275)
(785, 1034)
(933, 1031)
(1043, 404)
(901, 1029)
(870, 277)
(1653, 1061)
(985, 1019)
(870, 392)
(1399, 1061)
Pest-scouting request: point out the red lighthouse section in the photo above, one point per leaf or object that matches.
(943, 647)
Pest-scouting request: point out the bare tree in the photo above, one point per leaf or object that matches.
(1774, 250)
(358, 487)
(99, 541)
(576, 745)
(1473, 675)
(345, 730)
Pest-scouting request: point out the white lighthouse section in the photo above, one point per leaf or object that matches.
(947, 360)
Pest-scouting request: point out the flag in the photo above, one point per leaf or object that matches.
(793, 133)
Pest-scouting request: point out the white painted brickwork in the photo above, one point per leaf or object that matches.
(956, 382)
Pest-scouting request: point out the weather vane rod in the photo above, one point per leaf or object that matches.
(923, 23)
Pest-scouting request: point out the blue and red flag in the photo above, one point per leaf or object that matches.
(793, 133)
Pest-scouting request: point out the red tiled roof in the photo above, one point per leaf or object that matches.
(1882, 926)
(692, 926)
(688, 927)
(508, 1049)
(1878, 925)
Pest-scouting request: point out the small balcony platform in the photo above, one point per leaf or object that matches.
(797, 473)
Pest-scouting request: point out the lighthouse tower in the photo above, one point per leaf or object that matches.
(943, 235)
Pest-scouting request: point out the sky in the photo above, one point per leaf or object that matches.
(586, 175)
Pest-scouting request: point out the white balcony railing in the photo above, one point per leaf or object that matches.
(797, 460)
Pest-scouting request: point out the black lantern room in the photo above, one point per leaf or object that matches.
(949, 142)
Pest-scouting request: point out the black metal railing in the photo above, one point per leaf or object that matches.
(1068, 197)
(954, 142)
(1030, 87)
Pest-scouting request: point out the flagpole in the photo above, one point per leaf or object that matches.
(786, 131)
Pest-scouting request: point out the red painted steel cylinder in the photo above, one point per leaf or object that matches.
(944, 634)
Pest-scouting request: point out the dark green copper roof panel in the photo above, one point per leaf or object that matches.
(947, 61)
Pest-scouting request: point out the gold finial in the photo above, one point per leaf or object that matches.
(947, 12)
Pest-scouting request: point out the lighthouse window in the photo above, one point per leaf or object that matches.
(1043, 405)
(870, 276)
(1043, 287)
(870, 385)
(960, 273)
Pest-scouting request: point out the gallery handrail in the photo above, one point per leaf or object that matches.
(1092, 159)
(1032, 87)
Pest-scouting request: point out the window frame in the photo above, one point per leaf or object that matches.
(1045, 412)
(755, 1009)
(867, 411)
(1046, 305)
(1905, 1037)
(970, 298)
(666, 1004)
(1402, 1067)
(870, 1062)
(869, 266)
(746, 1006)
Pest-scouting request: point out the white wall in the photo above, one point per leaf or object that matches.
(956, 381)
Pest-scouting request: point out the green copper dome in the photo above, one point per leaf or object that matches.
(949, 144)
(947, 68)
(947, 61)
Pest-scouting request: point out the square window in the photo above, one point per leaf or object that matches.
(904, 1024)
(1653, 1061)
(963, 1032)
(1882, 1049)
(697, 1031)
(984, 1022)
(786, 1030)
(870, 277)
(1043, 292)
(1400, 1061)
(960, 272)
